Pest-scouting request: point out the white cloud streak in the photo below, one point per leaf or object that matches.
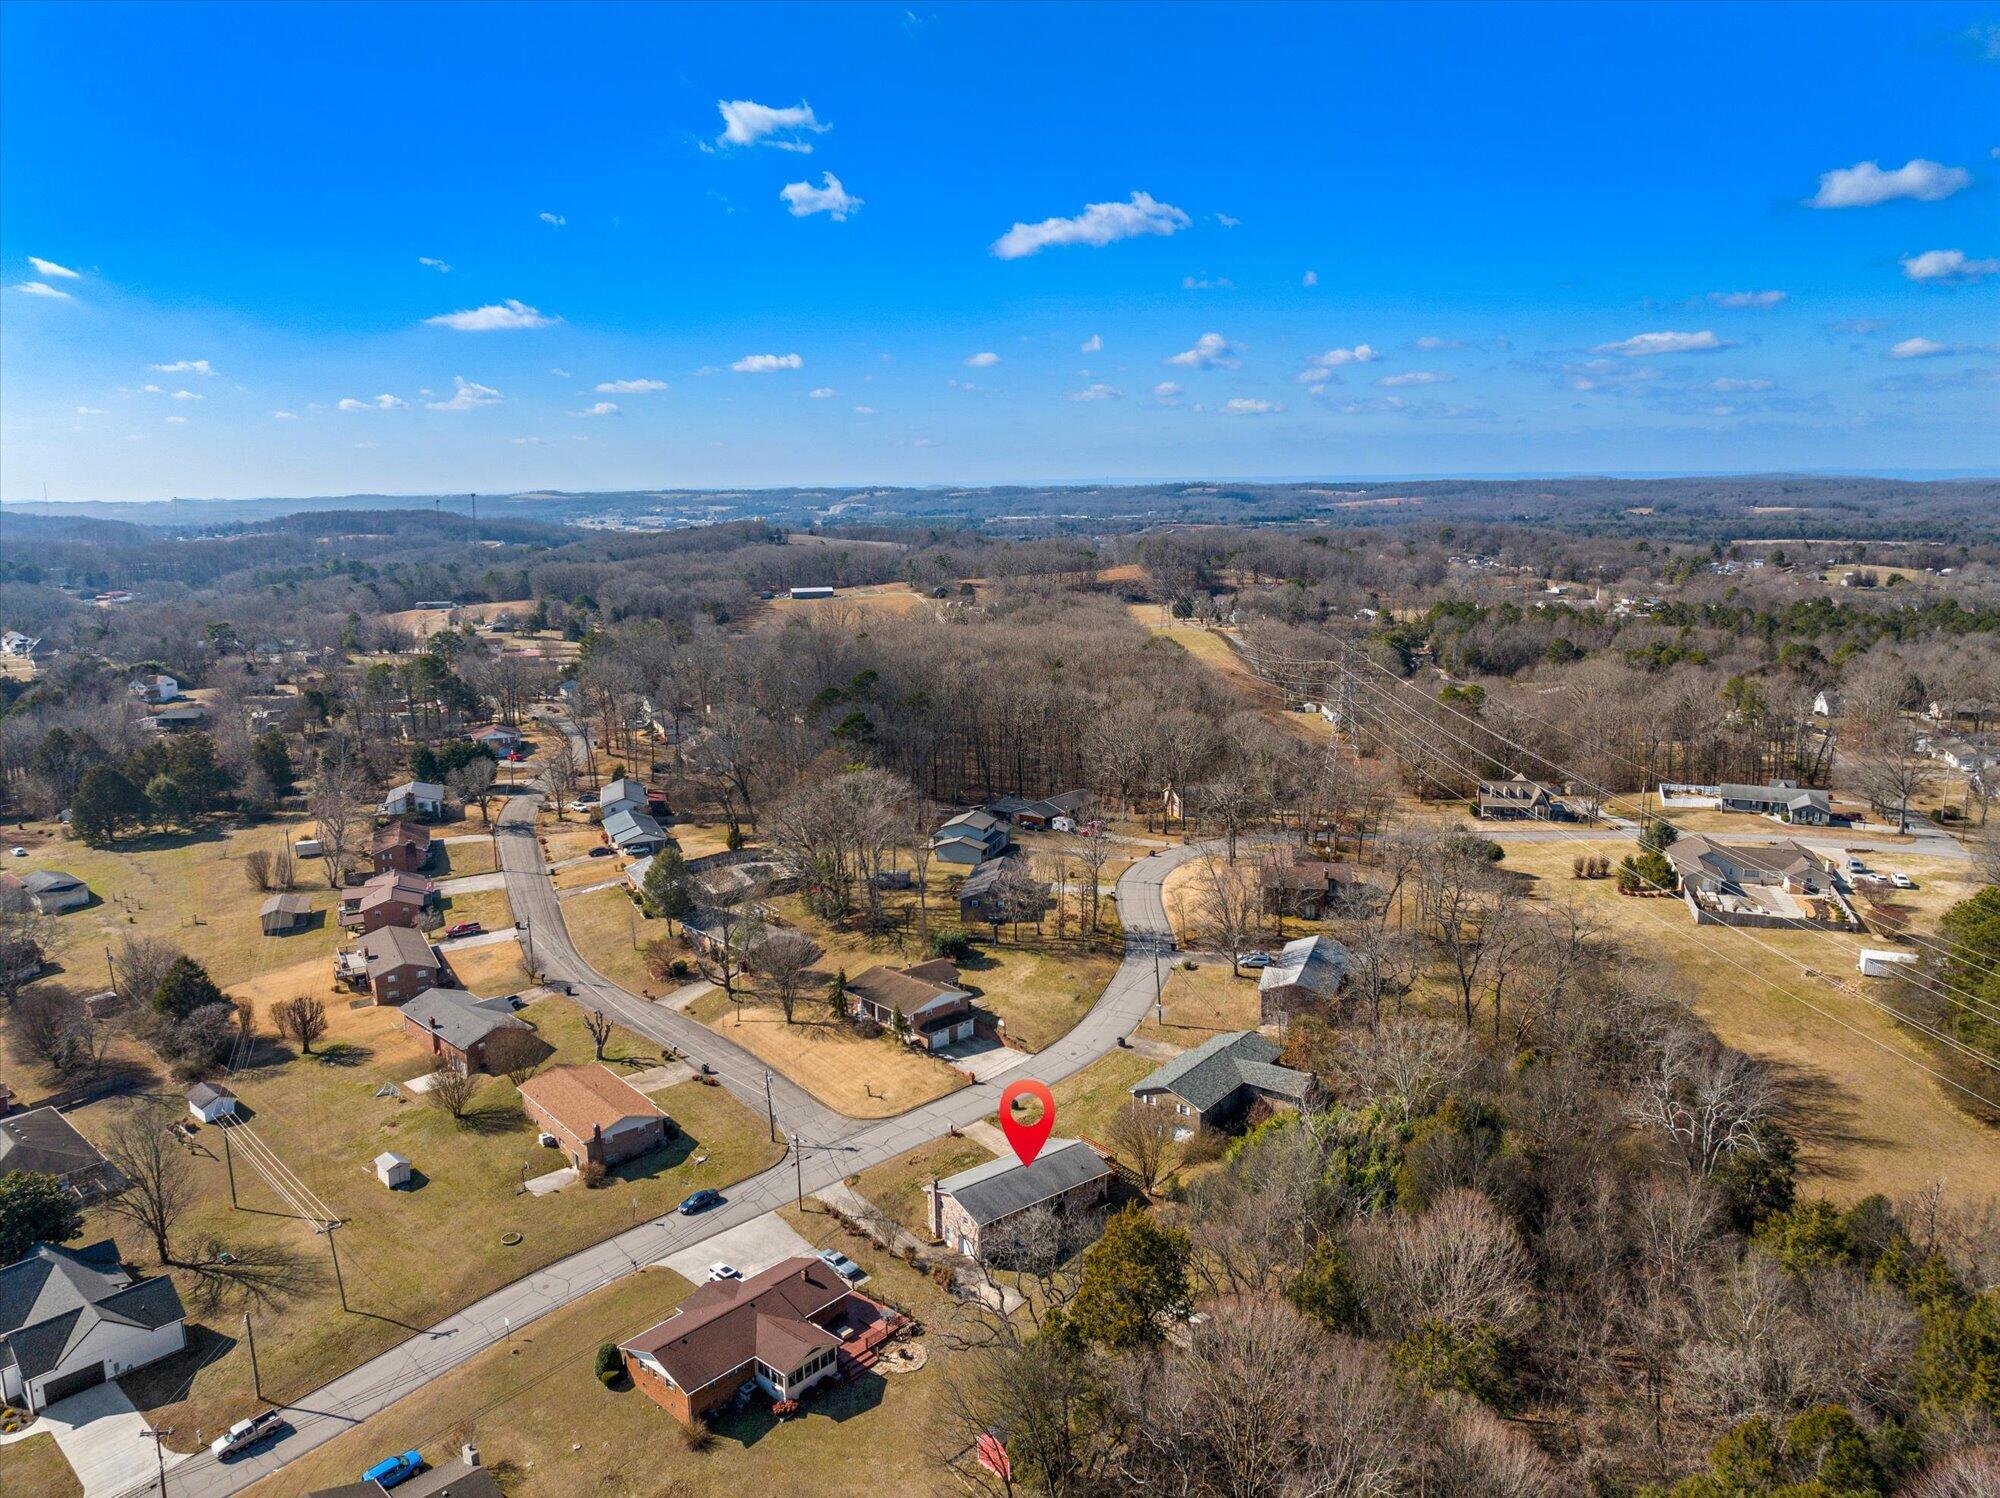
(1210, 351)
(1642, 345)
(1865, 184)
(1244, 406)
(632, 387)
(437, 265)
(1098, 392)
(43, 289)
(469, 395)
(1413, 377)
(1947, 265)
(183, 366)
(1098, 225)
(553, 220)
(50, 268)
(985, 360)
(1740, 300)
(767, 363)
(602, 408)
(494, 318)
(747, 123)
(1091, 345)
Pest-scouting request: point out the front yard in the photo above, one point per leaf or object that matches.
(547, 1429)
(860, 1077)
(609, 932)
(409, 1257)
(897, 1186)
(1201, 1004)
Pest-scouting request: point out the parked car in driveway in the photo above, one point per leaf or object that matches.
(395, 1469)
(1902, 881)
(601, 851)
(843, 1266)
(724, 1272)
(1253, 959)
(245, 1433)
(701, 1201)
(465, 928)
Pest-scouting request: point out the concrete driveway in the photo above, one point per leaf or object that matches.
(985, 1059)
(104, 1439)
(753, 1247)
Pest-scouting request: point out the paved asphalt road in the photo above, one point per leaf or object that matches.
(840, 1146)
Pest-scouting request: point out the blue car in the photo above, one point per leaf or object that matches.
(396, 1469)
(701, 1201)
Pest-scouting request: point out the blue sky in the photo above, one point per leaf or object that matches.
(1347, 241)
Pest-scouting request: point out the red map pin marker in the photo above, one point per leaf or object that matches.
(1027, 1138)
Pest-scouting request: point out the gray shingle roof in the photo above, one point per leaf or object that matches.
(1316, 962)
(49, 881)
(55, 1297)
(459, 1018)
(43, 1141)
(1211, 1071)
(1000, 1188)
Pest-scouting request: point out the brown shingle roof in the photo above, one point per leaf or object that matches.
(581, 1098)
(907, 989)
(396, 833)
(722, 1326)
(395, 946)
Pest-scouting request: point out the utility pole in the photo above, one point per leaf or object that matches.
(527, 941)
(799, 1168)
(338, 1281)
(770, 1111)
(159, 1439)
(1159, 995)
(229, 1164)
(256, 1380)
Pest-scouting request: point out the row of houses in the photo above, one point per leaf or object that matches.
(1781, 800)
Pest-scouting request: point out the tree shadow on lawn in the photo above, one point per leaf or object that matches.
(837, 1402)
(1822, 1116)
(256, 1275)
(489, 1118)
(676, 1151)
(343, 1053)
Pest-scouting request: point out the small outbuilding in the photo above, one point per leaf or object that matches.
(52, 891)
(392, 1170)
(211, 1102)
(284, 914)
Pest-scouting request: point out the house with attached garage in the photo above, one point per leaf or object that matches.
(972, 1212)
(624, 794)
(1519, 800)
(927, 998)
(42, 1142)
(782, 1332)
(1221, 1079)
(595, 1116)
(634, 832)
(72, 1318)
(1781, 799)
(499, 737)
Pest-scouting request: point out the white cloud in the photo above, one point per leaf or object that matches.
(1732, 387)
(42, 288)
(1099, 224)
(553, 220)
(824, 393)
(1380, 405)
(984, 360)
(529, 441)
(561, 374)
(1227, 222)
(1431, 344)
(1166, 390)
(1413, 377)
(803, 199)
(1739, 300)
(90, 411)
(1207, 283)
(602, 408)
(1865, 184)
(380, 403)
(632, 387)
(134, 437)
(50, 268)
(1098, 392)
(1608, 374)
(284, 416)
(745, 123)
(435, 264)
(1641, 344)
(152, 390)
(864, 410)
(186, 395)
(493, 318)
(1091, 345)
(766, 363)
(1311, 278)
(468, 396)
(174, 421)
(1210, 351)
(1919, 348)
(1244, 406)
(183, 366)
(1361, 353)
(1947, 265)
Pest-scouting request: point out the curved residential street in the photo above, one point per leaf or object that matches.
(838, 1146)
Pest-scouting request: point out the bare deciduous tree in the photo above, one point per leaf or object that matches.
(1143, 1138)
(597, 1025)
(515, 1054)
(147, 1153)
(1703, 1098)
(1227, 906)
(1409, 1061)
(139, 966)
(301, 1020)
(337, 806)
(560, 774)
(784, 959)
(451, 1090)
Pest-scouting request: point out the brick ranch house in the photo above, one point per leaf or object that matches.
(596, 1116)
(937, 1011)
(401, 845)
(394, 898)
(796, 1325)
(458, 1025)
(395, 964)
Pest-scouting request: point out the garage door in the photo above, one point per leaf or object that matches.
(73, 1383)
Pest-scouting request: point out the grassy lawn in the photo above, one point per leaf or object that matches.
(570, 839)
(548, 1429)
(701, 839)
(190, 890)
(489, 907)
(583, 875)
(491, 970)
(897, 1186)
(1086, 1102)
(610, 933)
(409, 1257)
(1868, 1121)
(37, 1466)
(859, 1077)
(1203, 1003)
(451, 860)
